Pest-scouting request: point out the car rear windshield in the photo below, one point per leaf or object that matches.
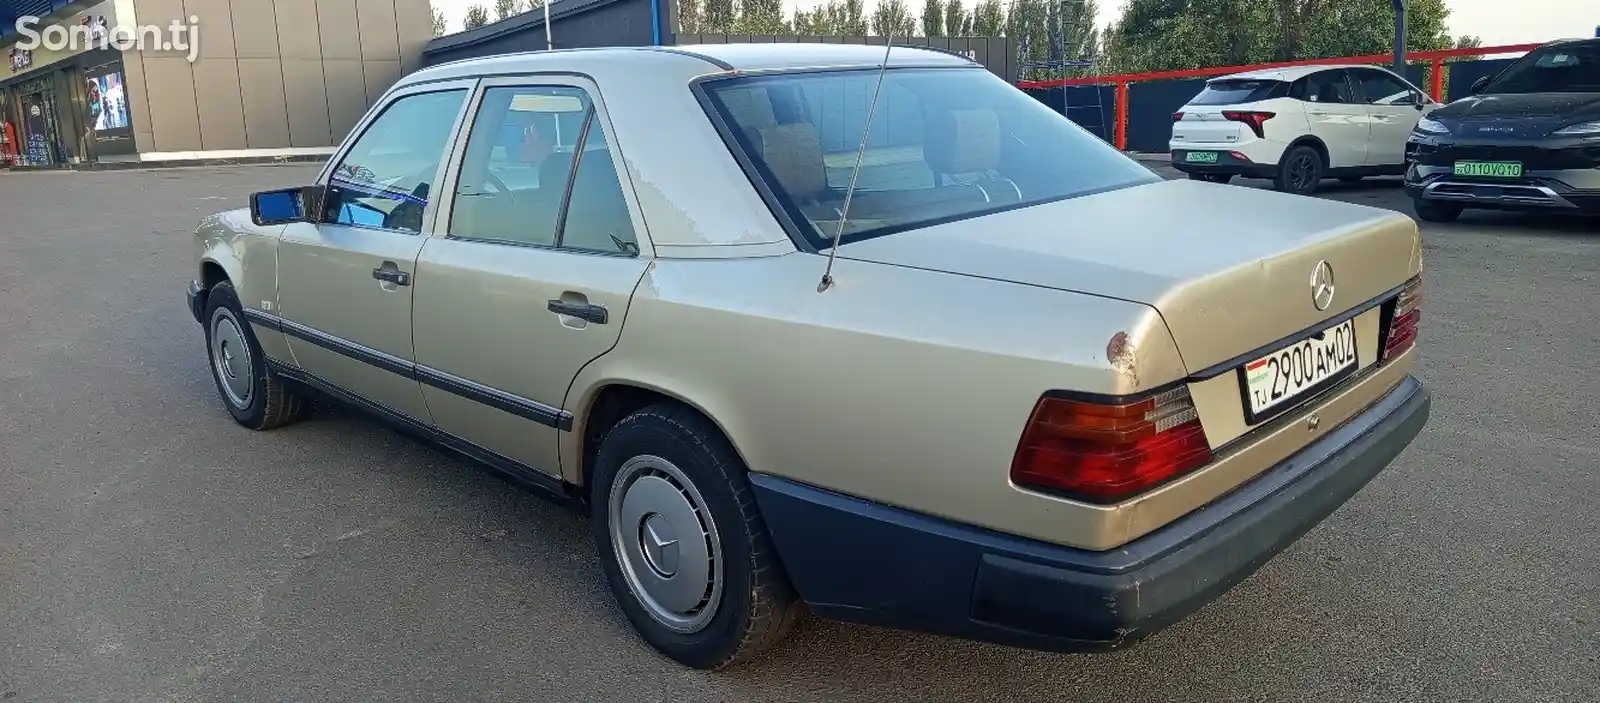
(944, 145)
(1552, 69)
(1233, 91)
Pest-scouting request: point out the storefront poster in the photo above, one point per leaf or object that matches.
(108, 102)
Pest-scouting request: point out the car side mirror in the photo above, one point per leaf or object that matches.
(1480, 84)
(287, 206)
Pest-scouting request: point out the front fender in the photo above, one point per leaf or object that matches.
(230, 247)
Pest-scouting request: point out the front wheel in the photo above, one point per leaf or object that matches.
(684, 548)
(1300, 172)
(1429, 211)
(254, 395)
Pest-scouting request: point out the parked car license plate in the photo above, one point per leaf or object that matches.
(1274, 382)
(1489, 169)
(1201, 157)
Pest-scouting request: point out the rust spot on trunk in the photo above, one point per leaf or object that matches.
(1120, 352)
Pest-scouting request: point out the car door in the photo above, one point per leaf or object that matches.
(522, 286)
(345, 284)
(1394, 107)
(1336, 117)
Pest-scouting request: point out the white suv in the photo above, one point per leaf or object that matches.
(1297, 126)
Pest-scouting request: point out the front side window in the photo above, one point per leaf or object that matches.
(538, 171)
(1552, 69)
(944, 145)
(386, 178)
(1380, 88)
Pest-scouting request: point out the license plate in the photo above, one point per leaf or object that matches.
(1201, 157)
(1489, 169)
(1277, 381)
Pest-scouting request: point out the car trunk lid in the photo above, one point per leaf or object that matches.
(1228, 268)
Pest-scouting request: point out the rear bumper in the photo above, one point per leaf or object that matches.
(1227, 164)
(863, 562)
(197, 301)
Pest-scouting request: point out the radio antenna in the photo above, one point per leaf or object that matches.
(844, 212)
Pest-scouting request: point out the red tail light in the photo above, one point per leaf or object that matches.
(1256, 120)
(1177, 116)
(1104, 453)
(1403, 324)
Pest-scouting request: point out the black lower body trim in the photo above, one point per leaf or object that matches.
(471, 390)
(511, 469)
(864, 562)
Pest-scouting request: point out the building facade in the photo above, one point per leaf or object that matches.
(247, 78)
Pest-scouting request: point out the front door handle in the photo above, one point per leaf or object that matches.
(582, 311)
(392, 275)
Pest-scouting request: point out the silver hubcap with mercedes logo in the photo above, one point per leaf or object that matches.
(666, 543)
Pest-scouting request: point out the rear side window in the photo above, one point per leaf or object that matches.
(1236, 91)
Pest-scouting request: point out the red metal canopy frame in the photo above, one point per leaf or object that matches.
(1436, 59)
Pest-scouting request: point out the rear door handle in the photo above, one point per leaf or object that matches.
(395, 276)
(582, 311)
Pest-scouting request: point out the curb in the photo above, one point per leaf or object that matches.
(174, 163)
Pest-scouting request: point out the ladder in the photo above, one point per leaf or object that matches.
(1070, 50)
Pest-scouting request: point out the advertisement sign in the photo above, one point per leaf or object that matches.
(21, 60)
(108, 103)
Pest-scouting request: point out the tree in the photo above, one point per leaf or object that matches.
(438, 22)
(688, 16)
(988, 19)
(1155, 35)
(506, 8)
(956, 21)
(760, 17)
(891, 18)
(717, 17)
(476, 17)
(933, 19)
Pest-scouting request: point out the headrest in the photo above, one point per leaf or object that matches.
(750, 107)
(793, 152)
(962, 141)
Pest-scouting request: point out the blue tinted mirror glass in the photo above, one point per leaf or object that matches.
(278, 206)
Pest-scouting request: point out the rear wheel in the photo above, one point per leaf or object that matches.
(1301, 171)
(683, 545)
(254, 395)
(1211, 177)
(1429, 211)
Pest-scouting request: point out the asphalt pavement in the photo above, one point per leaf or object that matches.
(152, 550)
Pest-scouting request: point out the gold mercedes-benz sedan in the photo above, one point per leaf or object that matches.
(859, 331)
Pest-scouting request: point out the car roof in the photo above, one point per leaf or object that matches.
(751, 57)
(1582, 41)
(1285, 73)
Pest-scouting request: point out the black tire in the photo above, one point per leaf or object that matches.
(1350, 179)
(758, 606)
(1429, 211)
(1211, 177)
(1300, 171)
(269, 404)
